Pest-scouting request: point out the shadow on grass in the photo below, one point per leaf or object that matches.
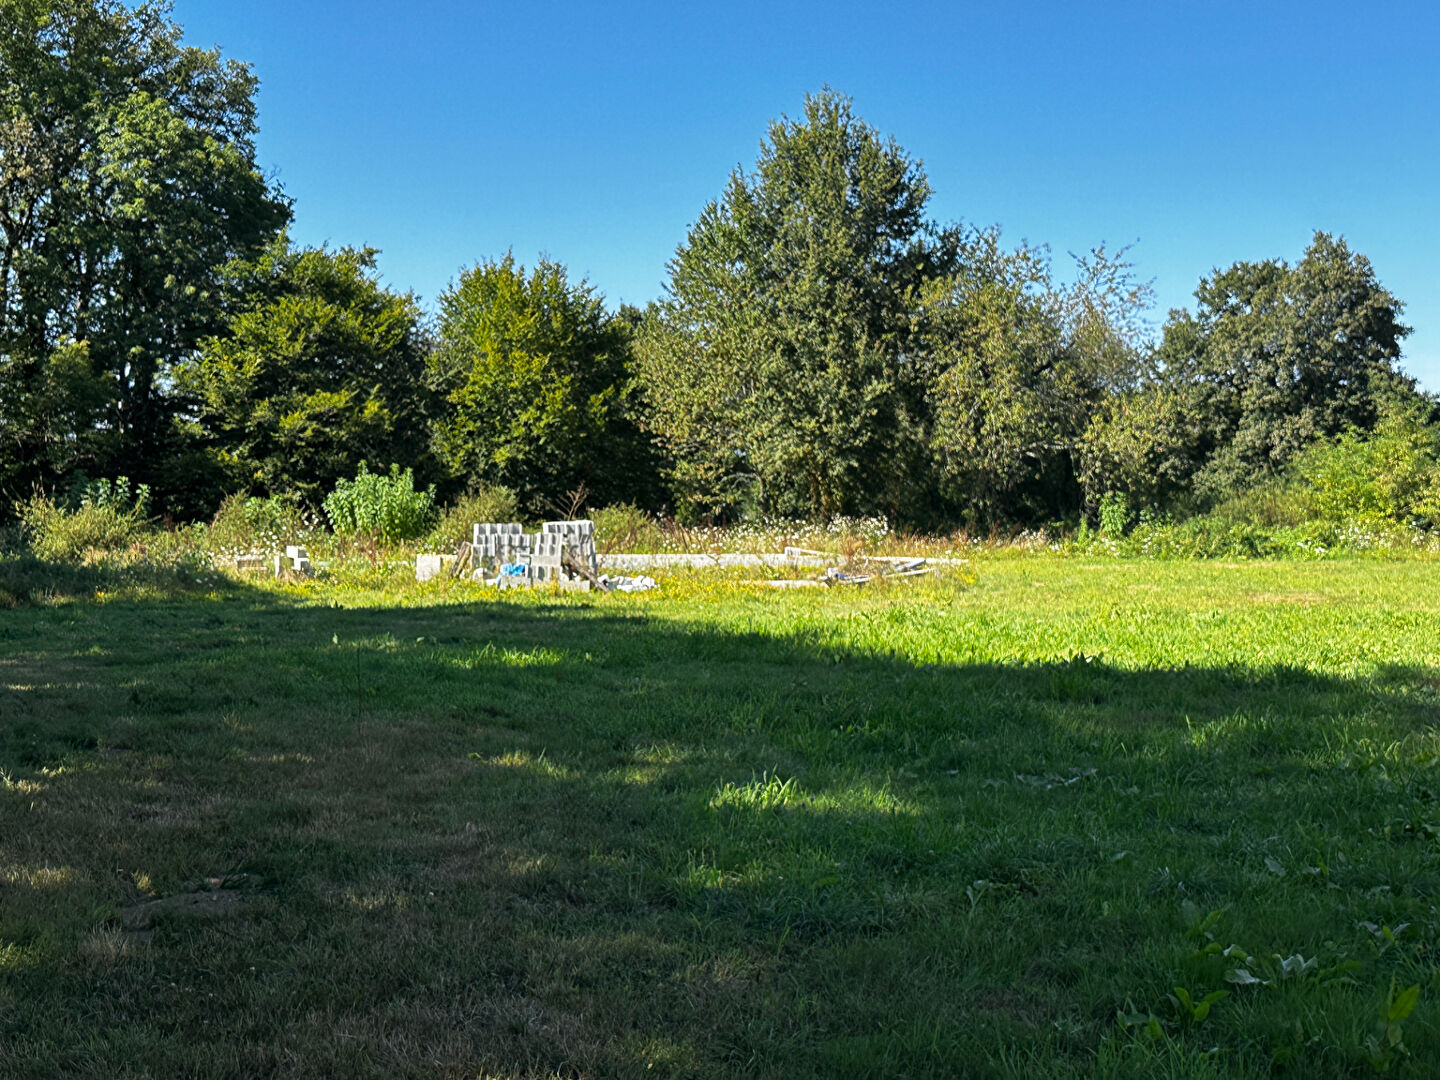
(554, 839)
(26, 580)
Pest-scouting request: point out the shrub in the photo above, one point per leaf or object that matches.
(483, 502)
(117, 494)
(385, 507)
(1114, 513)
(99, 516)
(625, 527)
(244, 526)
(1394, 473)
(1273, 504)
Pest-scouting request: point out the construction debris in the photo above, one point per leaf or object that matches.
(430, 566)
(626, 584)
(793, 557)
(504, 555)
(858, 571)
(563, 555)
(296, 560)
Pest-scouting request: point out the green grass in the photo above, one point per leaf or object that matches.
(951, 829)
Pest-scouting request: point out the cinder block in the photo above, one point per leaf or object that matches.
(429, 566)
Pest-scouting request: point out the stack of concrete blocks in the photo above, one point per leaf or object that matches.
(492, 545)
(578, 540)
(546, 552)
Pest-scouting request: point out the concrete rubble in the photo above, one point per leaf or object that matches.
(563, 555)
(296, 560)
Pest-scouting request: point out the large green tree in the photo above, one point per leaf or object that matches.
(1016, 367)
(318, 368)
(1277, 356)
(127, 180)
(777, 367)
(537, 392)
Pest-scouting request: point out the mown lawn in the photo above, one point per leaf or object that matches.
(975, 830)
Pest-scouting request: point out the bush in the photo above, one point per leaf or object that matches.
(625, 527)
(253, 526)
(1393, 473)
(98, 517)
(1274, 505)
(1114, 514)
(387, 508)
(483, 502)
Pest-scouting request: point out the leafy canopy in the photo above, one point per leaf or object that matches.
(776, 368)
(318, 368)
(127, 180)
(536, 386)
(1016, 366)
(1277, 356)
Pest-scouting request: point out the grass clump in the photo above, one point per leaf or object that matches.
(97, 518)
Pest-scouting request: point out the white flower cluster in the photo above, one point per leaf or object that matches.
(271, 540)
(767, 533)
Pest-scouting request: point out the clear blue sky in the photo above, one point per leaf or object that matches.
(443, 131)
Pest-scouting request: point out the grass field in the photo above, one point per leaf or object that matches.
(974, 829)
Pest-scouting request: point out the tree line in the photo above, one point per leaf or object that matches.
(823, 346)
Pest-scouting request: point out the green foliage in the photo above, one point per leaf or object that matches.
(100, 516)
(775, 370)
(1390, 474)
(1198, 1011)
(1387, 1045)
(537, 391)
(318, 368)
(1276, 357)
(483, 502)
(626, 527)
(1376, 491)
(1002, 404)
(1017, 366)
(387, 508)
(825, 349)
(48, 416)
(1115, 514)
(249, 525)
(128, 180)
(1142, 442)
(1279, 502)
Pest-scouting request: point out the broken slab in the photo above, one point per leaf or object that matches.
(725, 560)
(430, 566)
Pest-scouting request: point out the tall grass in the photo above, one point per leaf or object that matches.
(98, 518)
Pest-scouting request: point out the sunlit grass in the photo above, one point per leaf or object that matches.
(983, 825)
